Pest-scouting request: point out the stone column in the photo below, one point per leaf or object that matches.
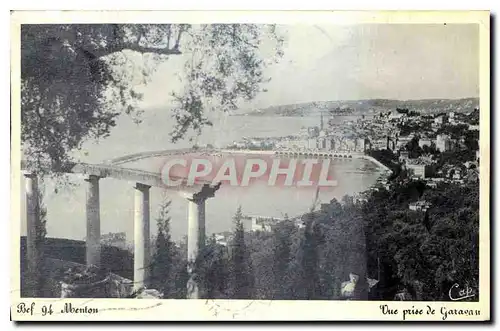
(196, 235)
(142, 258)
(196, 227)
(32, 220)
(196, 241)
(93, 241)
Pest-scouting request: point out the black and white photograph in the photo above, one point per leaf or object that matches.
(264, 162)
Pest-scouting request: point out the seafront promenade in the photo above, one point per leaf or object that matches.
(216, 151)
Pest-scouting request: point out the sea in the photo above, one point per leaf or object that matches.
(65, 203)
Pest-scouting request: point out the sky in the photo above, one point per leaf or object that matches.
(342, 62)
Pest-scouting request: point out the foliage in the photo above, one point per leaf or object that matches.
(414, 150)
(262, 260)
(41, 224)
(242, 282)
(213, 270)
(308, 261)
(473, 117)
(406, 128)
(387, 158)
(165, 261)
(454, 131)
(423, 252)
(76, 79)
(84, 275)
(282, 235)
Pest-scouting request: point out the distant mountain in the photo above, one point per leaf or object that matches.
(358, 107)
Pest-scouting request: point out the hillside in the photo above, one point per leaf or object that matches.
(117, 260)
(360, 107)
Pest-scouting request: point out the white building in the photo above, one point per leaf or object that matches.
(424, 142)
(432, 184)
(419, 206)
(221, 239)
(457, 175)
(259, 223)
(403, 156)
(379, 144)
(420, 166)
(443, 143)
(266, 223)
(396, 116)
(402, 141)
(325, 143)
(417, 169)
(293, 144)
(312, 143)
(439, 120)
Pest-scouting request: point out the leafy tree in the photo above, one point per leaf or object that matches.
(389, 159)
(414, 150)
(213, 270)
(471, 140)
(76, 79)
(430, 149)
(426, 253)
(473, 117)
(241, 270)
(454, 131)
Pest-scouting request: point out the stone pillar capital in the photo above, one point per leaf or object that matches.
(194, 198)
(92, 178)
(202, 194)
(29, 174)
(142, 187)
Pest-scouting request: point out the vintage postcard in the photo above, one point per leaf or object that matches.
(185, 166)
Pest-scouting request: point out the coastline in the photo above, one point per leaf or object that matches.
(355, 155)
(377, 162)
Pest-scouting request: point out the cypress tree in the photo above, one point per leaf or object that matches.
(240, 267)
(282, 242)
(213, 269)
(309, 262)
(164, 258)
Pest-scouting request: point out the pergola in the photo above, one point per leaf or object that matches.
(196, 196)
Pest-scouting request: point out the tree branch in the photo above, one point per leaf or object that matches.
(98, 53)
